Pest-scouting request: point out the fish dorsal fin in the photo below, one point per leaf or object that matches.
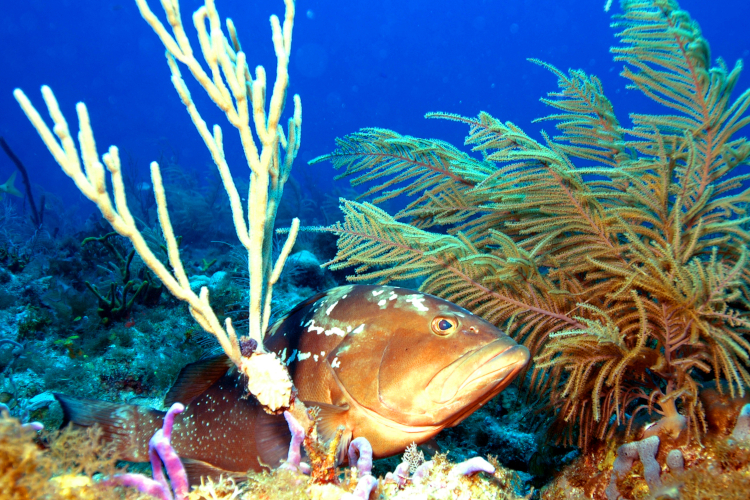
(196, 469)
(196, 378)
(330, 417)
(272, 438)
(295, 309)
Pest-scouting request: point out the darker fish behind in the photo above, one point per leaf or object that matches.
(389, 364)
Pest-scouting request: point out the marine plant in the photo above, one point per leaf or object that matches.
(13, 259)
(34, 322)
(63, 468)
(116, 305)
(617, 253)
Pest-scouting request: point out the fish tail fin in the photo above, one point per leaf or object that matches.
(9, 186)
(128, 427)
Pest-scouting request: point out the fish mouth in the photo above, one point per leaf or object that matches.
(478, 375)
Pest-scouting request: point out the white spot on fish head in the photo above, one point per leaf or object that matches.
(315, 358)
(335, 363)
(312, 328)
(303, 356)
(449, 308)
(335, 331)
(377, 292)
(382, 303)
(417, 300)
(359, 329)
(330, 308)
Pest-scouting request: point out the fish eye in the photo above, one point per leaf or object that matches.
(443, 326)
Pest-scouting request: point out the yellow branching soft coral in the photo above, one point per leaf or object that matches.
(225, 75)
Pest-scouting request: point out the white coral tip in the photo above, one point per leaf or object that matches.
(267, 380)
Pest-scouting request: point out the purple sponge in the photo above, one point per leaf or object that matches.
(626, 454)
(160, 452)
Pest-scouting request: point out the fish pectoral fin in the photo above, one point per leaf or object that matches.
(342, 451)
(330, 417)
(272, 438)
(196, 469)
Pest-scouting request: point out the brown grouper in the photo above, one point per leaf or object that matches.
(389, 364)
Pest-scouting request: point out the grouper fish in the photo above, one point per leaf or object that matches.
(390, 364)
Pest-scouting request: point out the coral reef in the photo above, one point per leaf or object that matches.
(617, 253)
(73, 464)
(666, 468)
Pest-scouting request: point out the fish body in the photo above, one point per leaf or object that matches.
(396, 365)
(389, 364)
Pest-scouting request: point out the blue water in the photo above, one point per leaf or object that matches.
(355, 64)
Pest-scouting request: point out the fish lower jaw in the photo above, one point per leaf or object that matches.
(485, 380)
(492, 374)
(478, 390)
(471, 399)
(514, 360)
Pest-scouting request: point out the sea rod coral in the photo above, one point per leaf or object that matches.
(231, 86)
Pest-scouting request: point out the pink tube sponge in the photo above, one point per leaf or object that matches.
(675, 461)
(161, 453)
(626, 454)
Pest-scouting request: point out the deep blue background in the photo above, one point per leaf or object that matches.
(354, 63)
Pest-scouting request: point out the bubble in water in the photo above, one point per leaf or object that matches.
(311, 59)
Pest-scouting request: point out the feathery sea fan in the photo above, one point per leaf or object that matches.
(619, 255)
